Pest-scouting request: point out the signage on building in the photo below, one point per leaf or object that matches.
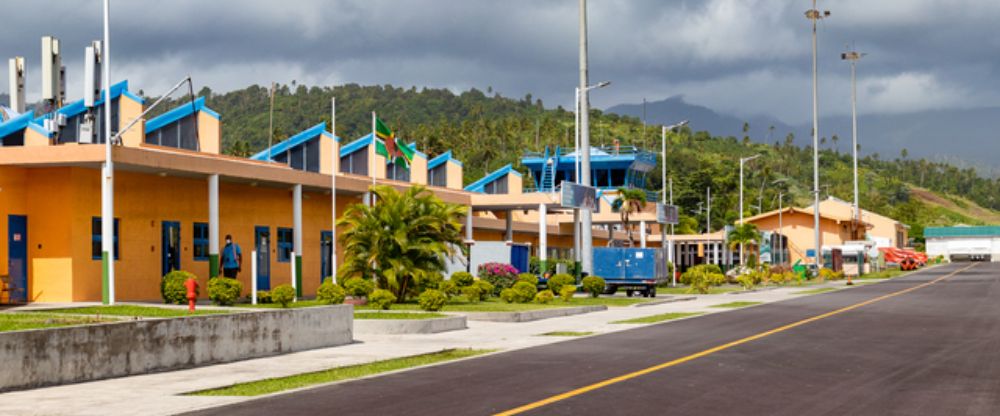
(666, 214)
(574, 195)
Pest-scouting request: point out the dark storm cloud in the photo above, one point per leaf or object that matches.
(747, 57)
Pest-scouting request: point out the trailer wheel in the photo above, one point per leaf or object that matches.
(629, 292)
(610, 290)
(652, 292)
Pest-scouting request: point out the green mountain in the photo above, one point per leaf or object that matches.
(487, 131)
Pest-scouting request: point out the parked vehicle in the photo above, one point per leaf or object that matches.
(635, 270)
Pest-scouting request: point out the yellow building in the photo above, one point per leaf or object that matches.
(796, 225)
(882, 230)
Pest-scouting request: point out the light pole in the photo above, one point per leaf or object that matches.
(576, 162)
(107, 184)
(781, 226)
(815, 15)
(663, 194)
(743, 160)
(854, 57)
(586, 234)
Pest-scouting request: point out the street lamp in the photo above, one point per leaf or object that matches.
(743, 160)
(854, 57)
(815, 15)
(663, 194)
(576, 164)
(781, 226)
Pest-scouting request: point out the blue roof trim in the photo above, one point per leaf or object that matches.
(479, 185)
(330, 135)
(413, 147)
(300, 138)
(38, 128)
(178, 113)
(15, 124)
(356, 145)
(134, 97)
(442, 158)
(76, 107)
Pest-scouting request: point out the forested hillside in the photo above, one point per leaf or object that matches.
(487, 131)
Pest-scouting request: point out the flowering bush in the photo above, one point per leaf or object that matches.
(500, 275)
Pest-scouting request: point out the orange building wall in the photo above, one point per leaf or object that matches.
(12, 201)
(798, 229)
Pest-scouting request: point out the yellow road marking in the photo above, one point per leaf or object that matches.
(624, 377)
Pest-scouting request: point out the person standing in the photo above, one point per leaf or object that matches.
(232, 258)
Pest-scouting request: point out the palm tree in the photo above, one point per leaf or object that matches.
(405, 237)
(743, 234)
(629, 200)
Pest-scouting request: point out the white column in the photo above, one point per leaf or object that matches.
(642, 233)
(509, 230)
(253, 277)
(543, 235)
(297, 238)
(213, 225)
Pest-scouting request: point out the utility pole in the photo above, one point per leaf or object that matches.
(587, 232)
(815, 15)
(108, 184)
(708, 215)
(854, 57)
(743, 160)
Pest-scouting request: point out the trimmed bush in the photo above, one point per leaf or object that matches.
(172, 287)
(566, 292)
(544, 297)
(556, 282)
(432, 300)
(593, 285)
(508, 295)
(472, 293)
(500, 275)
(358, 287)
(428, 281)
(528, 277)
(448, 287)
(283, 294)
(224, 291)
(524, 292)
(702, 277)
(382, 299)
(329, 293)
(485, 289)
(463, 279)
(263, 296)
(747, 280)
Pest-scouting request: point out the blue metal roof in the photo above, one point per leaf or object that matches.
(15, 124)
(178, 113)
(478, 186)
(600, 158)
(298, 139)
(77, 107)
(981, 231)
(366, 140)
(442, 158)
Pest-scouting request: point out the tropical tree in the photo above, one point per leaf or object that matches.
(403, 238)
(630, 200)
(742, 235)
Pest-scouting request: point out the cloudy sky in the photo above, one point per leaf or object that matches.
(746, 57)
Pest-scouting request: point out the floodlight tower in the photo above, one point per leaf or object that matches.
(853, 57)
(815, 15)
(17, 76)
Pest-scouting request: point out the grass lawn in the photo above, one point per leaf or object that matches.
(815, 291)
(16, 321)
(459, 304)
(566, 334)
(740, 304)
(293, 305)
(884, 274)
(397, 315)
(686, 290)
(658, 318)
(134, 310)
(272, 385)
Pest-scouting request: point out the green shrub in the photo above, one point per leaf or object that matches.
(558, 281)
(283, 294)
(472, 293)
(263, 296)
(172, 287)
(448, 287)
(432, 300)
(508, 295)
(329, 293)
(593, 285)
(427, 281)
(358, 287)
(566, 292)
(528, 277)
(500, 275)
(544, 297)
(524, 292)
(224, 291)
(485, 289)
(747, 280)
(777, 279)
(703, 277)
(463, 279)
(382, 299)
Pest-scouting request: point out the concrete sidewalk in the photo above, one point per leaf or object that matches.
(159, 394)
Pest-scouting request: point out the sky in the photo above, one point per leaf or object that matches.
(744, 57)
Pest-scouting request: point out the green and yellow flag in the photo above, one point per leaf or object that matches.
(391, 146)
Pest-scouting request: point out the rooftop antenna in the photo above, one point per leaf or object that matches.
(92, 62)
(17, 76)
(270, 124)
(51, 73)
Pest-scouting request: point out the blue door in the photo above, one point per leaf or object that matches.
(262, 244)
(326, 247)
(171, 247)
(519, 257)
(17, 257)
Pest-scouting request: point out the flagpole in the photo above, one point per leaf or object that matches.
(335, 157)
(371, 163)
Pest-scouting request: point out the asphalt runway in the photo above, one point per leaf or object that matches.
(926, 344)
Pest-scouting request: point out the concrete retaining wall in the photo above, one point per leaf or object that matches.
(43, 357)
(525, 316)
(409, 326)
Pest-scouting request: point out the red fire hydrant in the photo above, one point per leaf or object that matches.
(192, 292)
